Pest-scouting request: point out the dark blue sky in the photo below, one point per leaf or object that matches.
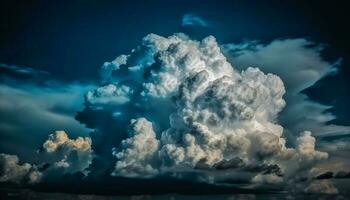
(65, 37)
(71, 40)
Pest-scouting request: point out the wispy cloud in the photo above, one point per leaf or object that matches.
(21, 70)
(32, 100)
(193, 20)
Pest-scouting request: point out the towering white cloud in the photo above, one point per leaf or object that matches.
(300, 65)
(138, 152)
(192, 112)
(66, 154)
(205, 113)
(12, 171)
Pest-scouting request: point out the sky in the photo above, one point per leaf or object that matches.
(235, 96)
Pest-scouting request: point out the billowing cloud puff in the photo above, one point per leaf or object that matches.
(205, 113)
(66, 154)
(300, 65)
(109, 94)
(138, 152)
(109, 67)
(12, 171)
(267, 179)
(59, 155)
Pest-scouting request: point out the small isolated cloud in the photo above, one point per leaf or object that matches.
(68, 155)
(12, 171)
(109, 94)
(193, 20)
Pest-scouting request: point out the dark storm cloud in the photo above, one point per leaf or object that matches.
(326, 175)
(335, 175)
(342, 174)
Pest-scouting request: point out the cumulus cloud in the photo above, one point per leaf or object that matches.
(138, 152)
(13, 171)
(176, 106)
(67, 155)
(204, 113)
(109, 94)
(59, 155)
(109, 67)
(193, 20)
(300, 65)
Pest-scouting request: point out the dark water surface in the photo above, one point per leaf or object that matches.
(26, 194)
